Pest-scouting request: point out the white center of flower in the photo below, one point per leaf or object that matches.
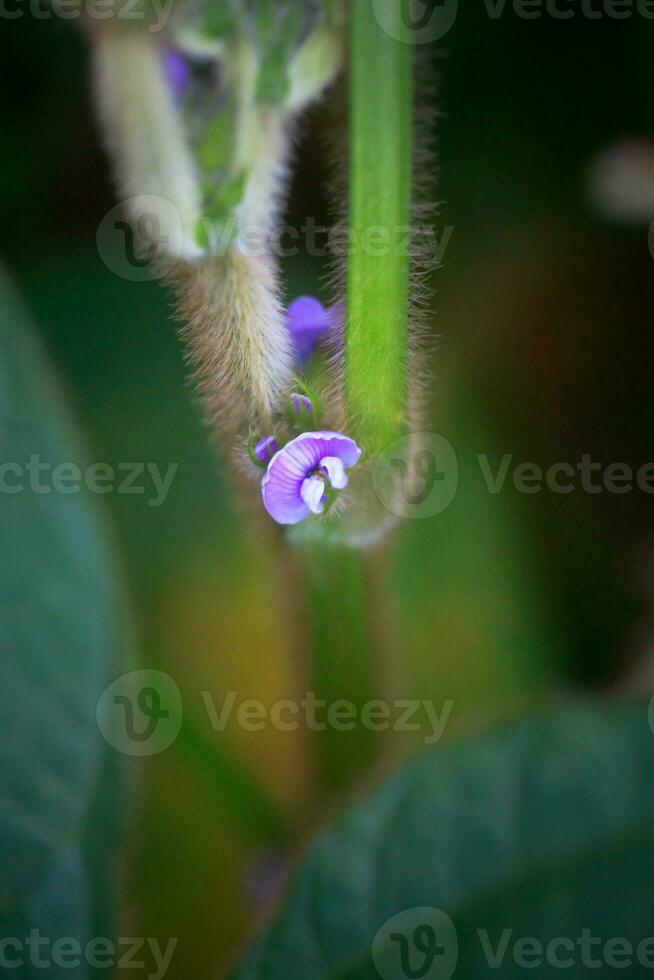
(333, 467)
(312, 490)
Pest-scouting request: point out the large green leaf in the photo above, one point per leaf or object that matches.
(544, 828)
(61, 638)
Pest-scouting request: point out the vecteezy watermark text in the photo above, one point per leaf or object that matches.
(426, 21)
(588, 475)
(140, 713)
(565, 952)
(153, 12)
(142, 238)
(417, 476)
(567, 9)
(423, 942)
(44, 477)
(100, 953)
(341, 715)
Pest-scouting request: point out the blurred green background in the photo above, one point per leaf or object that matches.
(543, 316)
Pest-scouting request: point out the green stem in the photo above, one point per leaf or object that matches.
(341, 623)
(338, 588)
(376, 349)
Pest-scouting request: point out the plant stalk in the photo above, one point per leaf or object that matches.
(376, 330)
(338, 585)
(339, 610)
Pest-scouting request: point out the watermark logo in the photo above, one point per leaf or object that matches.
(22, 955)
(417, 476)
(154, 13)
(425, 21)
(586, 475)
(580, 953)
(416, 21)
(418, 944)
(141, 238)
(44, 477)
(317, 715)
(140, 713)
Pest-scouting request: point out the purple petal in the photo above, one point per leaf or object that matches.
(307, 321)
(281, 487)
(306, 313)
(177, 71)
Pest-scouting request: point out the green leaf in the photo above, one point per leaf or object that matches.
(544, 828)
(60, 611)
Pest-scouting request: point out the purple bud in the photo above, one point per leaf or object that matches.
(300, 402)
(266, 448)
(307, 321)
(176, 70)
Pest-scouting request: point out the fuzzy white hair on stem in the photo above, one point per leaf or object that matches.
(228, 294)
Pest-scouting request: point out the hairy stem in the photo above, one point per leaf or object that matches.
(376, 332)
(338, 585)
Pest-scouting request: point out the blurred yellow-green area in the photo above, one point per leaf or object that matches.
(542, 326)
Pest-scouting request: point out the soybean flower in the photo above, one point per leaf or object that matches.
(304, 474)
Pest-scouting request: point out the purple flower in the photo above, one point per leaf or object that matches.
(307, 321)
(265, 449)
(176, 70)
(303, 472)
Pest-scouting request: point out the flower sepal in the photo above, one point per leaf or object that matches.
(303, 410)
(261, 450)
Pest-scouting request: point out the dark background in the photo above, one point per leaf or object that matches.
(543, 308)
